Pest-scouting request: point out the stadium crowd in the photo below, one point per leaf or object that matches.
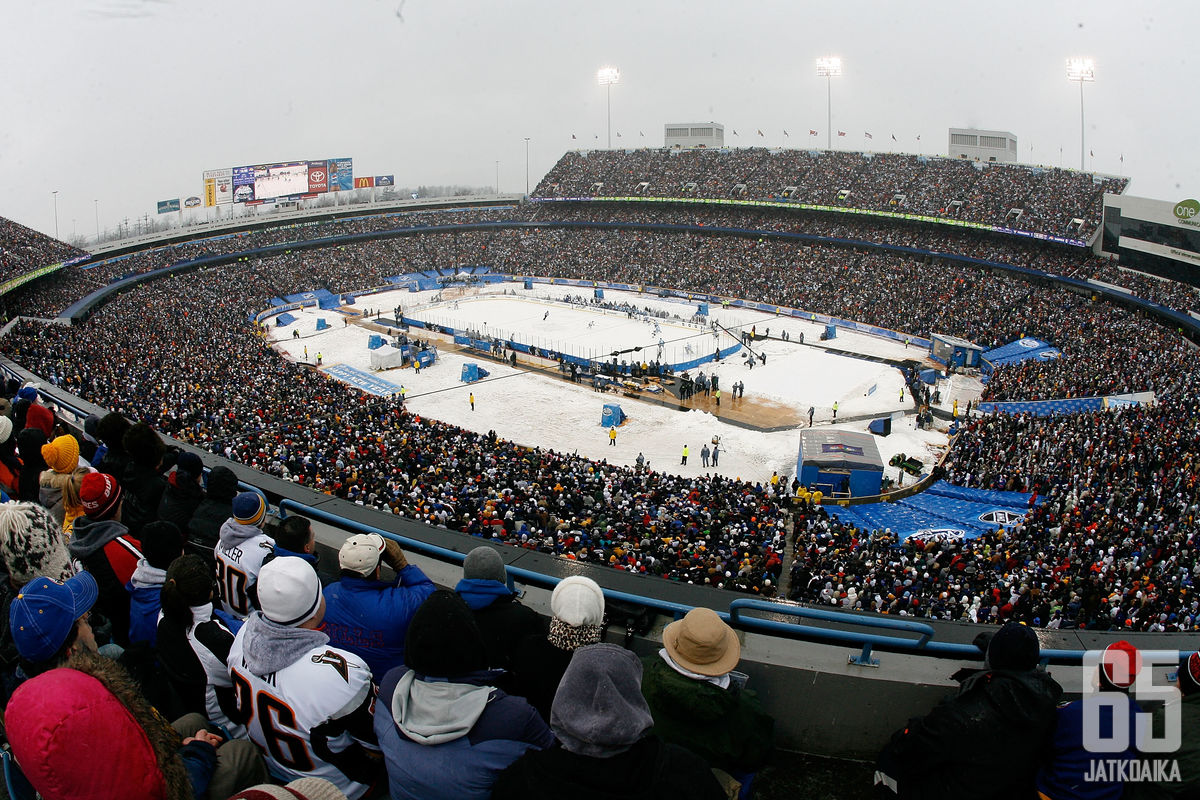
(24, 250)
(1048, 198)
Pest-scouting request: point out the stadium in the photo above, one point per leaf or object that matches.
(1011, 348)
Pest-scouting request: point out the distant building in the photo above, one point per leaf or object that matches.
(694, 134)
(977, 145)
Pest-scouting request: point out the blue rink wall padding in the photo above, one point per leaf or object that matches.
(1044, 408)
(362, 380)
(278, 301)
(314, 296)
(284, 319)
(612, 415)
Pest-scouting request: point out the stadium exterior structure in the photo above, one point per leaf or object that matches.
(837, 682)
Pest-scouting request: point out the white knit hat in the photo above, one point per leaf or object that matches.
(578, 601)
(289, 591)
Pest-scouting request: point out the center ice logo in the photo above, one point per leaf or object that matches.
(1000, 516)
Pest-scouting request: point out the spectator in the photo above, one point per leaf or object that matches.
(10, 465)
(299, 789)
(1007, 707)
(367, 615)
(182, 495)
(110, 430)
(317, 700)
(606, 748)
(31, 545)
(29, 446)
(240, 554)
(294, 537)
(142, 480)
(1068, 772)
(501, 618)
(130, 751)
(194, 643)
(696, 702)
(204, 528)
(445, 730)
(105, 548)
(538, 664)
(59, 483)
(49, 622)
(161, 544)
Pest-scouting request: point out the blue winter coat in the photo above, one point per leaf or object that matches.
(370, 618)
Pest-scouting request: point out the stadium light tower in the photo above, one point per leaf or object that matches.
(55, 194)
(526, 166)
(829, 68)
(606, 77)
(1084, 71)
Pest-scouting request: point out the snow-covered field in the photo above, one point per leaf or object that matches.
(537, 410)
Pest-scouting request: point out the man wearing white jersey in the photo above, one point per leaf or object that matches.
(240, 552)
(309, 706)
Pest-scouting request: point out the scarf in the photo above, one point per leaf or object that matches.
(572, 637)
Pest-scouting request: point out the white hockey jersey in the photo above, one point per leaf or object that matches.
(237, 571)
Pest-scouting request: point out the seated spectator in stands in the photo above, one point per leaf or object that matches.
(83, 730)
(1188, 754)
(445, 730)
(29, 448)
(110, 430)
(40, 418)
(204, 528)
(605, 745)
(1069, 766)
(49, 622)
(161, 544)
(240, 553)
(193, 644)
(367, 615)
(1006, 708)
(538, 663)
(502, 619)
(10, 465)
(183, 493)
(294, 685)
(294, 536)
(88, 443)
(142, 480)
(61, 480)
(697, 704)
(103, 545)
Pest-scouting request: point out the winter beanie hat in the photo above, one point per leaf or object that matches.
(162, 543)
(289, 591)
(484, 564)
(599, 709)
(32, 544)
(189, 464)
(443, 640)
(40, 417)
(249, 508)
(577, 606)
(62, 454)
(1121, 663)
(1014, 647)
(5, 428)
(100, 495)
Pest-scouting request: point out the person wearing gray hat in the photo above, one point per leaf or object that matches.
(603, 726)
(500, 616)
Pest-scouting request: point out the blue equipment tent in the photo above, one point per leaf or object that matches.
(840, 461)
(322, 324)
(612, 416)
(375, 342)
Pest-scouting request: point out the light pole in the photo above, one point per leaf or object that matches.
(55, 193)
(606, 77)
(829, 68)
(1084, 71)
(97, 202)
(497, 177)
(526, 166)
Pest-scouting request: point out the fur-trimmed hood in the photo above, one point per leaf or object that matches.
(135, 753)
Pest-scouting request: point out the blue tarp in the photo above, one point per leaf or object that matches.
(1045, 408)
(322, 325)
(1021, 350)
(284, 319)
(942, 510)
(362, 380)
(330, 302)
(375, 342)
(612, 415)
(427, 357)
(929, 376)
(472, 372)
(310, 297)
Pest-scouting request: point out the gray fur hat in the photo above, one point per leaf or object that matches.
(599, 709)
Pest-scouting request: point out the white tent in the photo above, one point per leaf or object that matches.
(385, 357)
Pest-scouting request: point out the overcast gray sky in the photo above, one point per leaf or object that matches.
(128, 101)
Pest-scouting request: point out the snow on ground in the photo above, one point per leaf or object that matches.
(537, 410)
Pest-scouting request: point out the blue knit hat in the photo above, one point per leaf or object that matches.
(249, 508)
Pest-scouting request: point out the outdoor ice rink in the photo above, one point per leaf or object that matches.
(537, 410)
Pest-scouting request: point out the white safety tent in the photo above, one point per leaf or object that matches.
(386, 357)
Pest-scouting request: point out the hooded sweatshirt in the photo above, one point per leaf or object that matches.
(451, 738)
(240, 554)
(145, 601)
(106, 550)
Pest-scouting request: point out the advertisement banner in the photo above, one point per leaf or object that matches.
(218, 188)
(385, 180)
(210, 192)
(364, 183)
(167, 206)
(341, 174)
(318, 177)
(191, 202)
